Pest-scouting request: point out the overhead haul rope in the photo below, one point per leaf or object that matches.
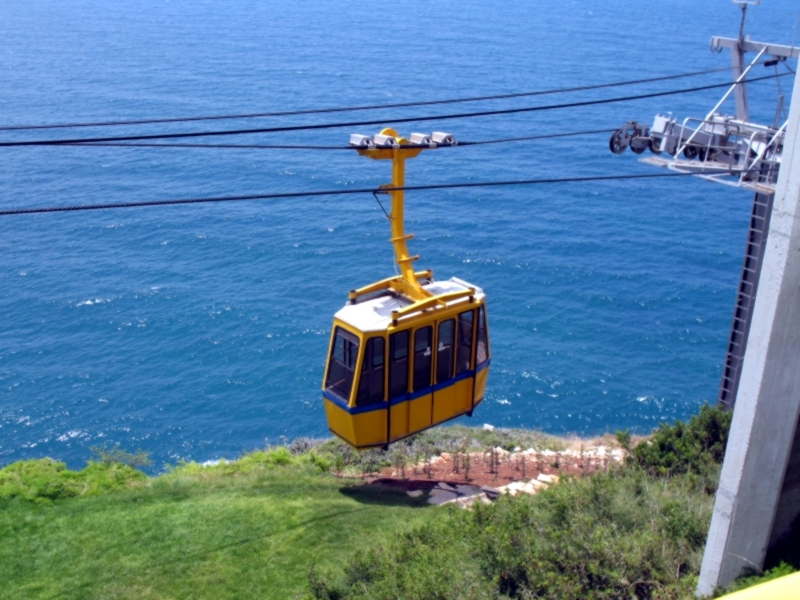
(302, 147)
(313, 111)
(484, 113)
(368, 190)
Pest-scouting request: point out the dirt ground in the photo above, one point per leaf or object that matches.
(499, 468)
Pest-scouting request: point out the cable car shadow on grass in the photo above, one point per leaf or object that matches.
(381, 494)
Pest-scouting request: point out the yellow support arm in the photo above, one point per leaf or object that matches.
(410, 285)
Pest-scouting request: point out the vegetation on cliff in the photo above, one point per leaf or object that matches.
(276, 523)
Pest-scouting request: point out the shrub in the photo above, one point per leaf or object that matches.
(690, 447)
(624, 439)
(323, 462)
(44, 480)
(115, 454)
(279, 456)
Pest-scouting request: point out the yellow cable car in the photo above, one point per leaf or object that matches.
(406, 353)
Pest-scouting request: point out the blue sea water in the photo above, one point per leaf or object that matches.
(196, 332)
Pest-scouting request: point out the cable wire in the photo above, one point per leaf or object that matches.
(368, 190)
(319, 126)
(234, 146)
(303, 147)
(364, 107)
(537, 137)
(378, 200)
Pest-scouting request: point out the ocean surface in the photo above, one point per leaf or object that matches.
(198, 332)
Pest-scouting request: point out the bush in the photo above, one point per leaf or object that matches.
(622, 534)
(323, 462)
(115, 454)
(44, 480)
(690, 447)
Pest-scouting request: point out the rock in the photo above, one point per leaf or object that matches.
(520, 487)
(515, 487)
(468, 490)
(465, 502)
(487, 427)
(442, 485)
(530, 488)
(446, 456)
(468, 502)
(490, 492)
(547, 478)
(440, 496)
(517, 449)
(415, 493)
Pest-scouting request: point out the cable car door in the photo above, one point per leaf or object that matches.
(453, 389)
(483, 356)
(399, 363)
(420, 401)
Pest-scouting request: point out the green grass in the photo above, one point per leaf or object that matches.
(277, 524)
(250, 529)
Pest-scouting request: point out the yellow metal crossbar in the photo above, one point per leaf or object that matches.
(420, 306)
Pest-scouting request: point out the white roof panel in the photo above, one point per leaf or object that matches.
(376, 314)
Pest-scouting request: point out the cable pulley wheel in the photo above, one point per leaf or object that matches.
(655, 146)
(615, 144)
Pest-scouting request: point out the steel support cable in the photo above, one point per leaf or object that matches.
(313, 111)
(537, 137)
(367, 190)
(485, 113)
(301, 147)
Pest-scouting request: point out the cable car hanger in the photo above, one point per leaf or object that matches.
(406, 352)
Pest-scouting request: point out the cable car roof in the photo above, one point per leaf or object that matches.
(375, 314)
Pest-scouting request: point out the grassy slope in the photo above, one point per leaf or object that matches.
(206, 534)
(254, 528)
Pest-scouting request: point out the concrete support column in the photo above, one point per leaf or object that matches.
(767, 406)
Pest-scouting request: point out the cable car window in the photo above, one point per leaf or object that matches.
(464, 349)
(482, 355)
(422, 358)
(398, 364)
(444, 350)
(370, 386)
(342, 364)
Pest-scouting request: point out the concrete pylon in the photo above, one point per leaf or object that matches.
(759, 490)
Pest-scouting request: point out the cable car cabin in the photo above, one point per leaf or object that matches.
(389, 377)
(406, 353)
